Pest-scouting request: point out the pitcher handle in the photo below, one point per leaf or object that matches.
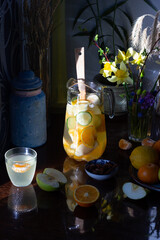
(111, 98)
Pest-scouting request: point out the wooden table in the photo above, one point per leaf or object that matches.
(47, 214)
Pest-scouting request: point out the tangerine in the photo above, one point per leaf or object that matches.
(156, 145)
(86, 195)
(148, 173)
(147, 142)
(124, 144)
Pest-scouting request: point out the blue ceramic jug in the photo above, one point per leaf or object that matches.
(28, 111)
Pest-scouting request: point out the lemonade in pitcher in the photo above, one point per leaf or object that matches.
(84, 131)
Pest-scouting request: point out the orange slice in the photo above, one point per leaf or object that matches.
(86, 195)
(124, 144)
(88, 136)
(21, 168)
(147, 142)
(74, 101)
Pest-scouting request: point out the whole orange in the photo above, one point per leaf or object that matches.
(148, 173)
(156, 146)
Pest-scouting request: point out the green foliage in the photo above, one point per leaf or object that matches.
(99, 18)
(104, 23)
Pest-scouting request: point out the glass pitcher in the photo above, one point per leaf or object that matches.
(84, 135)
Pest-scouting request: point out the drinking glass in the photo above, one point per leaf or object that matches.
(21, 165)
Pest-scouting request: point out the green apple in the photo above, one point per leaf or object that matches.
(50, 180)
(133, 191)
(56, 174)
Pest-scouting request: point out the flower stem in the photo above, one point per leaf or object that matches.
(101, 49)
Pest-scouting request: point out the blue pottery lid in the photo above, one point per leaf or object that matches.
(26, 80)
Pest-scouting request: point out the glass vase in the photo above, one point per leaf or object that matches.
(139, 122)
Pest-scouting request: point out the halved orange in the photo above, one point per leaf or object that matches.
(88, 136)
(86, 195)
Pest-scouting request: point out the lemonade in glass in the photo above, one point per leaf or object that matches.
(84, 131)
(21, 165)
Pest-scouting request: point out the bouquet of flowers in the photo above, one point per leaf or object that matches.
(128, 68)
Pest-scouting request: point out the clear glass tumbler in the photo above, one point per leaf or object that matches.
(21, 165)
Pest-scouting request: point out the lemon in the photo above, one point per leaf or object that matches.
(142, 155)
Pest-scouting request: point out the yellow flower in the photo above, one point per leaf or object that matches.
(138, 58)
(121, 75)
(107, 70)
(122, 56)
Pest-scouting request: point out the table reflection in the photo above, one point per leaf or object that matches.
(74, 171)
(22, 200)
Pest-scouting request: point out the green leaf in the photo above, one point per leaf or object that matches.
(92, 33)
(100, 52)
(85, 33)
(151, 4)
(112, 8)
(96, 38)
(122, 95)
(128, 16)
(87, 20)
(120, 47)
(113, 25)
(125, 33)
(81, 11)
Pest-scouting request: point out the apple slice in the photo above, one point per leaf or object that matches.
(46, 182)
(133, 191)
(50, 180)
(56, 175)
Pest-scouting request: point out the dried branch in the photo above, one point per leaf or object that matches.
(39, 22)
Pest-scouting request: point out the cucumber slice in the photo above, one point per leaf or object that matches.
(71, 122)
(84, 118)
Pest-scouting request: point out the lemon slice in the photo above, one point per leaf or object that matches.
(81, 106)
(70, 109)
(93, 98)
(95, 109)
(82, 150)
(84, 118)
